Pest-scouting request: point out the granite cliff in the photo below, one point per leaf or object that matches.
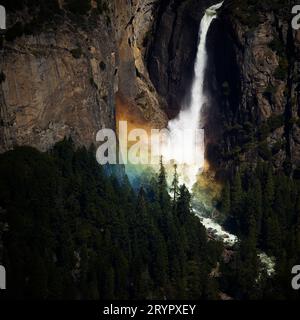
(65, 68)
(254, 82)
(71, 70)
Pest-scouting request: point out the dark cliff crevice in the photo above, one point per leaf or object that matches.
(171, 53)
(222, 87)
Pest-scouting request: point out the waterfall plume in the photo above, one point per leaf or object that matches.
(185, 146)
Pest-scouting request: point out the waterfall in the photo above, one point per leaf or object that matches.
(188, 151)
(186, 138)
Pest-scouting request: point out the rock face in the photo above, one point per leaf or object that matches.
(61, 77)
(137, 98)
(254, 82)
(133, 60)
(58, 81)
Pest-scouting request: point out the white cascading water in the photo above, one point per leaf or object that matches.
(184, 147)
(186, 139)
(188, 152)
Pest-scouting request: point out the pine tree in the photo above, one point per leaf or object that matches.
(236, 194)
(184, 204)
(159, 263)
(175, 185)
(237, 202)
(141, 228)
(257, 199)
(269, 189)
(225, 202)
(194, 283)
(273, 236)
(109, 283)
(99, 239)
(164, 198)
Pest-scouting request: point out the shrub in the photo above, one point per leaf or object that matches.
(275, 122)
(246, 13)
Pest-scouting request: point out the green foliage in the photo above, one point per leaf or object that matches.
(175, 185)
(77, 233)
(275, 122)
(248, 11)
(244, 11)
(267, 220)
(246, 137)
(225, 199)
(270, 125)
(163, 194)
(236, 195)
